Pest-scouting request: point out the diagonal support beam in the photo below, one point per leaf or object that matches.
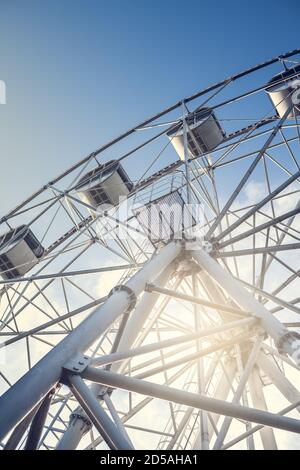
(259, 228)
(247, 175)
(195, 300)
(259, 205)
(106, 427)
(238, 393)
(286, 340)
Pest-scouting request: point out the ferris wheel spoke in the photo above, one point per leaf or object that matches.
(259, 205)
(269, 297)
(267, 445)
(247, 175)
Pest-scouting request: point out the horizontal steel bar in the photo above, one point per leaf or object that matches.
(195, 400)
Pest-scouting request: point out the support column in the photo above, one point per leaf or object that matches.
(106, 427)
(278, 379)
(139, 316)
(287, 341)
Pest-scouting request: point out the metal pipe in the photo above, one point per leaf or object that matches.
(60, 275)
(256, 251)
(116, 418)
(19, 430)
(180, 428)
(258, 427)
(203, 442)
(46, 325)
(137, 408)
(288, 390)
(261, 227)
(38, 422)
(191, 399)
(190, 357)
(222, 390)
(195, 300)
(288, 305)
(106, 427)
(139, 316)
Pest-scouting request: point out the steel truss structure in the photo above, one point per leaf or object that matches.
(125, 342)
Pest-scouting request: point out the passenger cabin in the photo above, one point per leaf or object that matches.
(204, 134)
(104, 185)
(283, 94)
(20, 250)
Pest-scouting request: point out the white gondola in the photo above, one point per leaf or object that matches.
(286, 92)
(104, 185)
(204, 134)
(20, 250)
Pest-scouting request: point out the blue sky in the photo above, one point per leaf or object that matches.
(79, 72)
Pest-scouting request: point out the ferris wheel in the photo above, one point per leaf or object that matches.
(150, 293)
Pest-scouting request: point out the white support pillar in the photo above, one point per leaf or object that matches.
(286, 340)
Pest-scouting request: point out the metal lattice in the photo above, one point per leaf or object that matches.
(116, 336)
